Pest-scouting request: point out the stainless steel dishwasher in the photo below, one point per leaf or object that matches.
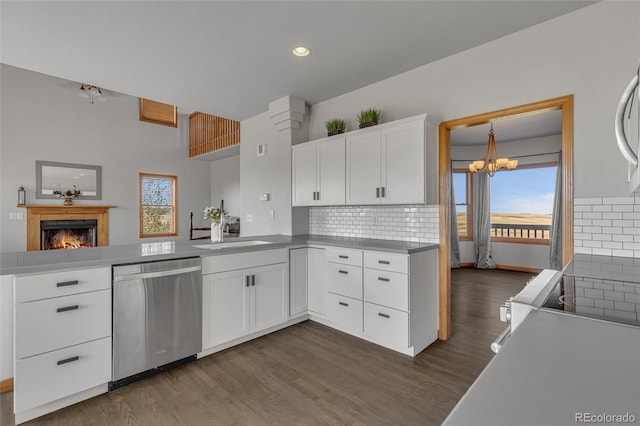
(157, 317)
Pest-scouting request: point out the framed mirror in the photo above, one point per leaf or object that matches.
(50, 175)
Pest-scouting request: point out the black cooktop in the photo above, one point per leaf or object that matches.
(606, 299)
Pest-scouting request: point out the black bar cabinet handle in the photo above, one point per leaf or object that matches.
(343, 272)
(318, 196)
(377, 192)
(386, 280)
(67, 308)
(253, 280)
(66, 283)
(343, 304)
(247, 280)
(68, 360)
(383, 192)
(380, 314)
(342, 256)
(384, 262)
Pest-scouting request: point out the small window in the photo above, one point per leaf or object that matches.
(522, 203)
(462, 192)
(158, 194)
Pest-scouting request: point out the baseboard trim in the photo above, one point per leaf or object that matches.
(519, 268)
(6, 385)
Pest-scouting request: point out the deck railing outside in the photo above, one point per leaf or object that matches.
(520, 230)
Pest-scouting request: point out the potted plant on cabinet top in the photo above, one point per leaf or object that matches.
(369, 117)
(335, 126)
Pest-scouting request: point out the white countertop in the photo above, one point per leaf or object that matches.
(50, 260)
(553, 367)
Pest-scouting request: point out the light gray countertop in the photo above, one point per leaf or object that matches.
(554, 367)
(50, 260)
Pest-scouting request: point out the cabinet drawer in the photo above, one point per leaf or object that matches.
(54, 375)
(51, 324)
(345, 312)
(345, 280)
(345, 256)
(386, 261)
(386, 288)
(386, 325)
(230, 262)
(44, 286)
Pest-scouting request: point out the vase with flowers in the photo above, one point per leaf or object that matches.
(68, 194)
(216, 215)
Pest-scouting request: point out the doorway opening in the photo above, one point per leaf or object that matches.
(565, 105)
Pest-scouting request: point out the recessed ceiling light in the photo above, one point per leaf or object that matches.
(301, 51)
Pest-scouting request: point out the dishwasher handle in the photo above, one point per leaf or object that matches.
(167, 273)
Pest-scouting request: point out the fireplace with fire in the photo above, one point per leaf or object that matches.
(68, 234)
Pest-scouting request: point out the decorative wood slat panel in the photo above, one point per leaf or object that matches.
(158, 113)
(208, 133)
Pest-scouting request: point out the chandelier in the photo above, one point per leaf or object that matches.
(94, 93)
(492, 163)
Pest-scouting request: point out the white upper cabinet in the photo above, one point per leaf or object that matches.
(318, 173)
(402, 179)
(384, 164)
(363, 168)
(387, 165)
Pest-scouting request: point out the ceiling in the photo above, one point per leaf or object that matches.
(233, 58)
(507, 129)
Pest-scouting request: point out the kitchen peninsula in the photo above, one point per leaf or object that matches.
(379, 290)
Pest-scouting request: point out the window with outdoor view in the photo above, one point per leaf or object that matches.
(158, 195)
(462, 192)
(522, 202)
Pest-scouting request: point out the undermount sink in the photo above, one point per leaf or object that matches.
(222, 245)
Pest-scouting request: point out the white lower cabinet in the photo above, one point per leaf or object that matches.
(386, 325)
(244, 301)
(62, 338)
(389, 299)
(345, 312)
(299, 281)
(45, 378)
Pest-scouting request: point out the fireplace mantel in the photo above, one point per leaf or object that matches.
(37, 213)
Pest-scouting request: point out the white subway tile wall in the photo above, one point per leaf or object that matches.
(414, 222)
(612, 300)
(608, 226)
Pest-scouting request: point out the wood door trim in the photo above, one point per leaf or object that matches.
(564, 103)
(6, 385)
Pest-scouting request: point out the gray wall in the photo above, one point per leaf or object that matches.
(591, 53)
(225, 184)
(42, 119)
(269, 174)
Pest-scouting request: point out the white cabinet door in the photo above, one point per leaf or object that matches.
(331, 172)
(363, 168)
(304, 175)
(225, 311)
(403, 163)
(317, 279)
(298, 281)
(270, 285)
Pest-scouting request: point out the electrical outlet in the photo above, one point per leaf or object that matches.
(248, 218)
(13, 215)
(272, 214)
(20, 216)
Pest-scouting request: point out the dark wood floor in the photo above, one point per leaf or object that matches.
(310, 374)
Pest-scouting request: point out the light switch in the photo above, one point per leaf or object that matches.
(13, 215)
(248, 217)
(272, 214)
(265, 197)
(20, 216)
